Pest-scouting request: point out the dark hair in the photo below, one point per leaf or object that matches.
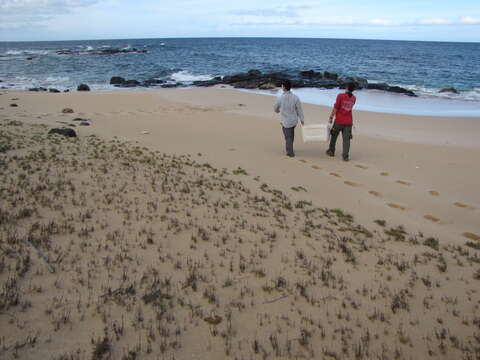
(350, 87)
(287, 84)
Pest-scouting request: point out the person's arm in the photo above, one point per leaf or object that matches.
(277, 105)
(332, 115)
(298, 108)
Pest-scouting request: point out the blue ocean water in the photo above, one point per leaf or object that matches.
(424, 67)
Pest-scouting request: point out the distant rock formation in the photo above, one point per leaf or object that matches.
(449, 90)
(101, 51)
(83, 87)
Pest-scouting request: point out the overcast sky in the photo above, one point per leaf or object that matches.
(23, 20)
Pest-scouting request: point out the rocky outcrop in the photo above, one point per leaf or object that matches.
(37, 89)
(119, 81)
(394, 89)
(63, 131)
(101, 51)
(255, 79)
(449, 90)
(83, 87)
(52, 90)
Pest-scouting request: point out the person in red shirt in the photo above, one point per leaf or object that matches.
(342, 112)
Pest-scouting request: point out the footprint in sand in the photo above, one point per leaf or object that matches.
(316, 167)
(349, 183)
(384, 174)
(397, 206)
(403, 182)
(334, 174)
(361, 166)
(432, 218)
(471, 236)
(434, 193)
(375, 193)
(463, 206)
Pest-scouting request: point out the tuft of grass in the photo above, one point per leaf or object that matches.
(431, 242)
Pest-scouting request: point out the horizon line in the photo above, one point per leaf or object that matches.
(238, 37)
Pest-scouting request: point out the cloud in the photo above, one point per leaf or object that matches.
(252, 18)
(470, 20)
(290, 11)
(19, 13)
(435, 21)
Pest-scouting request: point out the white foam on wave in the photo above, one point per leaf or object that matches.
(380, 101)
(185, 76)
(26, 52)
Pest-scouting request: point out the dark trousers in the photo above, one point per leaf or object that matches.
(346, 131)
(289, 134)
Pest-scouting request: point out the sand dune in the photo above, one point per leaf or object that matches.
(174, 227)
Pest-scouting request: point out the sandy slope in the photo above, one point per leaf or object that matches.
(175, 227)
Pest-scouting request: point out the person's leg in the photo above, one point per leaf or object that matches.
(289, 135)
(333, 139)
(346, 137)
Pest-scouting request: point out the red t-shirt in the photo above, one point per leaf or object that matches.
(344, 105)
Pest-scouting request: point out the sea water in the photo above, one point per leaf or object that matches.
(423, 67)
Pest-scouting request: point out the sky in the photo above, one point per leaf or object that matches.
(442, 20)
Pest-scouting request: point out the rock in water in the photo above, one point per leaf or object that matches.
(63, 131)
(67, 111)
(83, 87)
(449, 90)
(117, 80)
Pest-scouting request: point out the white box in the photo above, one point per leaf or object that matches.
(316, 132)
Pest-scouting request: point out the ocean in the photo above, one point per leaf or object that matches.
(423, 67)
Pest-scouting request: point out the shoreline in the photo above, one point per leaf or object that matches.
(369, 100)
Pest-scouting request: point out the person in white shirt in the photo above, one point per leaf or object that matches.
(290, 109)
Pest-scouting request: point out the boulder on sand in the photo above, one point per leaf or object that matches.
(63, 131)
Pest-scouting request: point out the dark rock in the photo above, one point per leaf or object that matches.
(83, 87)
(330, 76)
(255, 73)
(168, 86)
(52, 90)
(128, 83)
(400, 90)
(310, 74)
(13, 105)
(449, 90)
(63, 131)
(360, 83)
(378, 86)
(152, 82)
(37, 89)
(29, 58)
(267, 86)
(115, 80)
(67, 111)
(84, 123)
(79, 119)
(101, 52)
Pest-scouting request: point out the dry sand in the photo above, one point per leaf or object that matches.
(175, 227)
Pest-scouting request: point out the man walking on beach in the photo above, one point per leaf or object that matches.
(342, 112)
(290, 109)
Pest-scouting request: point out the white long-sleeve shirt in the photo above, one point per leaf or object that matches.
(290, 109)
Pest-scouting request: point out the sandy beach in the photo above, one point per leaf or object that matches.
(174, 227)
